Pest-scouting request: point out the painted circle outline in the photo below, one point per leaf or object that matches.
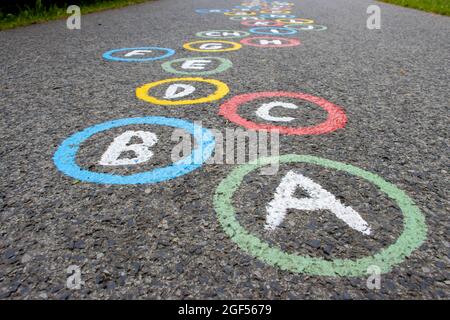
(235, 46)
(414, 234)
(254, 30)
(200, 34)
(108, 54)
(265, 16)
(336, 118)
(225, 64)
(305, 21)
(65, 156)
(246, 23)
(221, 91)
(291, 42)
(247, 13)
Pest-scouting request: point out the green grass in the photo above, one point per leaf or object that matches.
(436, 6)
(39, 13)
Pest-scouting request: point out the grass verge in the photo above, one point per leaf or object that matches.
(436, 6)
(40, 14)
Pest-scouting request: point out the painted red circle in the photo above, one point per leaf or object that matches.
(270, 23)
(336, 118)
(288, 42)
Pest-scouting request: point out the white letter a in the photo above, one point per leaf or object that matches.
(319, 199)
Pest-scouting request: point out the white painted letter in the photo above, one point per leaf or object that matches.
(213, 34)
(171, 92)
(262, 23)
(137, 53)
(232, 34)
(263, 111)
(265, 42)
(195, 64)
(121, 144)
(320, 199)
(211, 46)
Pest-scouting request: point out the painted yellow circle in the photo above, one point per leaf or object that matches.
(297, 21)
(235, 46)
(221, 90)
(240, 13)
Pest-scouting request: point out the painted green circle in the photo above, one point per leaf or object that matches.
(203, 34)
(225, 64)
(414, 233)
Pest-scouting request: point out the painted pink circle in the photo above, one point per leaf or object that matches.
(251, 23)
(290, 42)
(336, 118)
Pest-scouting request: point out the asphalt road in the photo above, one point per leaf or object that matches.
(180, 238)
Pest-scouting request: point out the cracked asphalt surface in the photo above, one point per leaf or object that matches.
(164, 240)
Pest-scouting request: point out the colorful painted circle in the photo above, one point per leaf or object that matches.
(240, 13)
(262, 23)
(280, 31)
(270, 42)
(295, 21)
(224, 64)
(65, 156)
(222, 34)
(220, 92)
(232, 46)
(109, 55)
(269, 16)
(414, 226)
(336, 116)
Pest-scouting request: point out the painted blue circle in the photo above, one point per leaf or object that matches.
(65, 156)
(109, 54)
(261, 30)
(269, 16)
(212, 10)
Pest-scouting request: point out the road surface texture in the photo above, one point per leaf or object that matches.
(205, 232)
